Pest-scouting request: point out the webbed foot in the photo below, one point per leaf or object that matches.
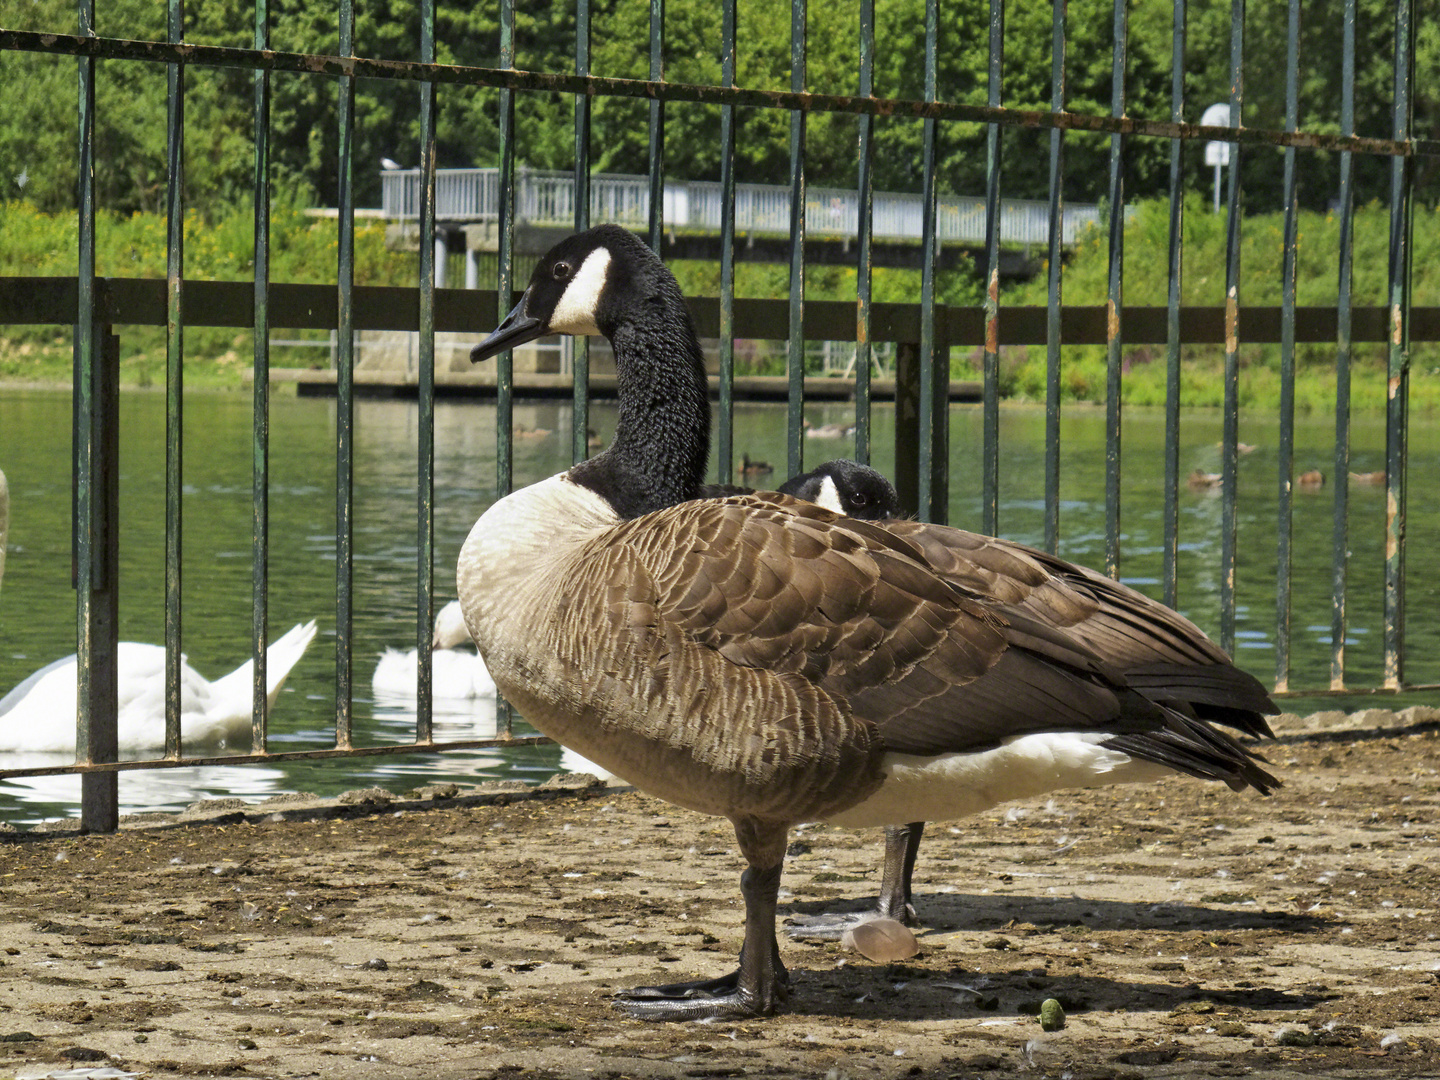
(706, 999)
(831, 925)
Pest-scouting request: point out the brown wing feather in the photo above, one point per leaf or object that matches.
(779, 584)
(862, 616)
(1064, 611)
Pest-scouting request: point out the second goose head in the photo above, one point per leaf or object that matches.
(606, 281)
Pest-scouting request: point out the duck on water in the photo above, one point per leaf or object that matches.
(761, 658)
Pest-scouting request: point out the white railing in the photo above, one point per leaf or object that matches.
(548, 198)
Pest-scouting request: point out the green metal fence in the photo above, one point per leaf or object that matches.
(925, 331)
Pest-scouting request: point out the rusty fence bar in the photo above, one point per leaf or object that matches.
(1231, 412)
(1397, 428)
(260, 433)
(510, 78)
(1114, 289)
(1285, 510)
(425, 400)
(864, 228)
(580, 398)
(174, 377)
(725, 429)
(1174, 274)
(990, 462)
(1340, 530)
(795, 338)
(1054, 287)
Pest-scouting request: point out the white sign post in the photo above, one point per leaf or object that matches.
(1217, 153)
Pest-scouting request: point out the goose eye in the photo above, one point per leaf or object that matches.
(561, 271)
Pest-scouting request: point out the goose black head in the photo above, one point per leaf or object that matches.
(847, 487)
(607, 281)
(580, 287)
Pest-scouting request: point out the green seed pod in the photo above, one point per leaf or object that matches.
(1052, 1016)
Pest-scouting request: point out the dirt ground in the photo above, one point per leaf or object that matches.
(1187, 931)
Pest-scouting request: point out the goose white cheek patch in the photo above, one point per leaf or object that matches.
(575, 313)
(829, 496)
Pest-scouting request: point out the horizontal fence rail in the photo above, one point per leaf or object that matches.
(432, 201)
(142, 302)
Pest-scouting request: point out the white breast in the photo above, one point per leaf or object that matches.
(515, 549)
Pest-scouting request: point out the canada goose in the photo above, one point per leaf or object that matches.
(840, 485)
(761, 658)
(747, 467)
(456, 674)
(1136, 636)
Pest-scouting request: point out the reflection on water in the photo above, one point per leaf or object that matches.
(34, 798)
(37, 605)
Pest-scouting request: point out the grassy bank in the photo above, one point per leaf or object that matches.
(1146, 276)
(303, 249)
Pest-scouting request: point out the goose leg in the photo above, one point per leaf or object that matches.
(902, 844)
(761, 985)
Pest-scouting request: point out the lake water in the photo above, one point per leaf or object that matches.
(37, 605)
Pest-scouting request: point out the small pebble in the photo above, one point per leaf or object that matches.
(1052, 1015)
(881, 940)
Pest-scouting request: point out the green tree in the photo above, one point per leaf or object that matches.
(38, 129)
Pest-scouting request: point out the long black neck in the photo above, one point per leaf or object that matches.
(662, 441)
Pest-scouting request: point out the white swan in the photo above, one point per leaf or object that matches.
(456, 674)
(37, 716)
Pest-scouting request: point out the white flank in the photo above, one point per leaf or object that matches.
(957, 785)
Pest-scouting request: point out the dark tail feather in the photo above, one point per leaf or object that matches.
(1195, 748)
(1215, 692)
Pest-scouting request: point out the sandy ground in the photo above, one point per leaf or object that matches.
(1187, 931)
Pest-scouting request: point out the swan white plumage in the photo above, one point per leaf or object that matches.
(37, 715)
(457, 674)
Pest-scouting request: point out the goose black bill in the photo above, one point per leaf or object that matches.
(515, 329)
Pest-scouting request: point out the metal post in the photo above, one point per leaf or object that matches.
(907, 426)
(98, 734)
